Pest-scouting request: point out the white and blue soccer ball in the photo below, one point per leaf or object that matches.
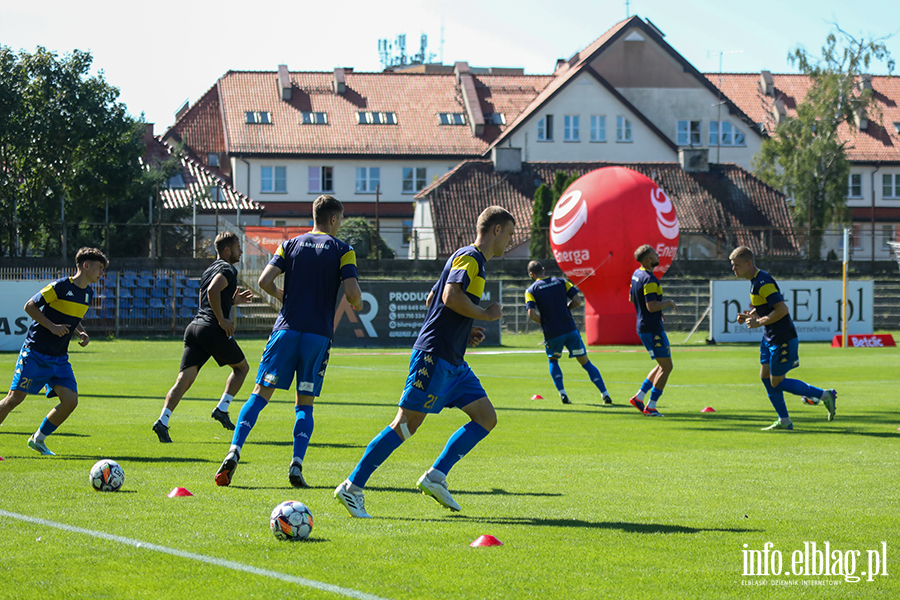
(291, 521)
(107, 476)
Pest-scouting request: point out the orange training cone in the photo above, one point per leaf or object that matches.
(485, 540)
(537, 397)
(708, 409)
(179, 491)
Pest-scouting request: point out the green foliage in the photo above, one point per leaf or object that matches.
(806, 157)
(359, 233)
(545, 199)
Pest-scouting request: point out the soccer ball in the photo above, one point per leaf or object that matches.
(810, 401)
(291, 521)
(107, 476)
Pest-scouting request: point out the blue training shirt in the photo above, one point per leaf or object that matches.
(645, 288)
(64, 303)
(764, 295)
(550, 296)
(314, 265)
(445, 332)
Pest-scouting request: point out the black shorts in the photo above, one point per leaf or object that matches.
(202, 340)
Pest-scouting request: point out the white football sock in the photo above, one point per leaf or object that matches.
(164, 416)
(224, 402)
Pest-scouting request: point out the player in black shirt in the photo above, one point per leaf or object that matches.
(211, 334)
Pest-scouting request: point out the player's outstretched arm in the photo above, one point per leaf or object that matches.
(353, 293)
(267, 282)
(456, 300)
(534, 315)
(32, 310)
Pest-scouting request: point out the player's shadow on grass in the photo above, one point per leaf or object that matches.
(138, 459)
(581, 524)
(55, 435)
(493, 492)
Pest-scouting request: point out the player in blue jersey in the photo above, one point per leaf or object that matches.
(779, 349)
(314, 266)
(43, 362)
(438, 374)
(647, 297)
(550, 301)
(211, 334)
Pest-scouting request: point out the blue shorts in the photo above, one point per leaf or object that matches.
(572, 341)
(781, 358)
(288, 352)
(657, 344)
(35, 370)
(433, 384)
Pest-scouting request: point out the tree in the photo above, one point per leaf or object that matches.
(545, 199)
(66, 145)
(806, 156)
(360, 234)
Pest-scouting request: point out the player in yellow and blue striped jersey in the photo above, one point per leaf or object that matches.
(43, 362)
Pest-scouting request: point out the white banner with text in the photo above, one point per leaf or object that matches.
(14, 322)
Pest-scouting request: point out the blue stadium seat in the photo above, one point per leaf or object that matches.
(167, 313)
(186, 313)
(108, 303)
(141, 293)
(136, 313)
(145, 275)
(124, 303)
(190, 302)
(125, 293)
(145, 282)
(164, 282)
(108, 313)
(157, 303)
(193, 284)
(140, 303)
(159, 293)
(130, 274)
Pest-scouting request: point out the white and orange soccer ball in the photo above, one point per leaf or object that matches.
(291, 521)
(107, 476)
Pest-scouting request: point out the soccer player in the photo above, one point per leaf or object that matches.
(779, 348)
(646, 295)
(211, 334)
(314, 265)
(438, 375)
(550, 302)
(43, 362)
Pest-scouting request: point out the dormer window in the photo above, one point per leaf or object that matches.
(262, 117)
(452, 118)
(313, 118)
(494, 119)
(176, 182)
(376, 118)
(212, 159)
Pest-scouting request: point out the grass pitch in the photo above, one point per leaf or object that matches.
(589, 501)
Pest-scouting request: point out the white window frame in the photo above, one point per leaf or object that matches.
(545, 129)
(212, 159)
(889, 233)
(598, 128)
(321, 180)
(854, 185)
(495, 119)
(571, 126)
(718, 132)
(623, 130)
(367, 179)
(451, 119)
(308, 117)
(270, 177)
(258, 117)
(364, 117)
(689, 133)
(892, 188)
(416, 177)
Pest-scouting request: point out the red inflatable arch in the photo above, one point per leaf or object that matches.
(596, 226)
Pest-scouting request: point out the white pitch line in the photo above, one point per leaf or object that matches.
(219, 562)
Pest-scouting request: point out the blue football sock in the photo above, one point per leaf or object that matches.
(303, 428)
(776, 397)
(460, 443)
(247, 419)
(381, 446)
(646, 386)
(799, 388)
(655, 393)
(556, 374)
(44, 430)
(594, 374)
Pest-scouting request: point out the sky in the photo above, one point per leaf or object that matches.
(163, 53)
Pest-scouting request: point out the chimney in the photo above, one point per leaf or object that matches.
(779, 112)
(470, 97)
(861, 119)
(507, 160)
(694, 160)
(559, 64)
(766, 83)
(284, 82)
(184, 108)
(148, 134)
(340, 82)
(865, 82)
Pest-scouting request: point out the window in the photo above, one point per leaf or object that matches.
(452, 118)
(313, 118)
(689, 133)
(494, 119)
(623, 129)
(215, 194)
(407, 232)
(176, 182)
(376, 118)
(723, 133)
(897, 127)
(598, 128)
(856, 241)
(258, 117)
(367, 179)
(212, 159)
(570, 128)
(413, 179)
(854, 189)
(890, 186)
(273, 180)
(545, 129)
(889, 233)
(321, 179)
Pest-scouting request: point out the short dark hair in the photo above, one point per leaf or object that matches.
(85, 254)
(325, 207)
(642, 252)
(535, 267)
(226, 239)
(494, 215)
